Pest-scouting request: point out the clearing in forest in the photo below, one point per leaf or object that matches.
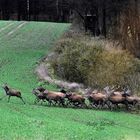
(19, 52)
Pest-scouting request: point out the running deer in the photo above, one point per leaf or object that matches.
(12, 92)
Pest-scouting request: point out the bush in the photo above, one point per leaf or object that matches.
(86, 61)
(113, 69)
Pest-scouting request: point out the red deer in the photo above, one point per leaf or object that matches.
(12, 92)
(39, 96)
(116, 98)
(133, 100)
(57, 97)
(97, 99)
(75, 99)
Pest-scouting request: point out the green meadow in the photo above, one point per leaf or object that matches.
(22, 45)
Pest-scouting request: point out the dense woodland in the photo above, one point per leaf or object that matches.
(115, 19)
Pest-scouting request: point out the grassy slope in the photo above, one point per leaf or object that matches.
(18, 55)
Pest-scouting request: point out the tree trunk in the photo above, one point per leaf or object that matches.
(104, 19)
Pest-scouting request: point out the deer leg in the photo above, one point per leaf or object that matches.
(36, 100)
(22, 100)
(127, 106)
(111, 106)
(103, 104)
(108, 104)
(42, 101)
(49, 102)
(135, 104)
(63, 102)
(68, 103)
(84, 105)
(78, 104)
(117, 106)
(57, 103)
(100, 105)
(9, 98)
(96, 104)
(92, 105)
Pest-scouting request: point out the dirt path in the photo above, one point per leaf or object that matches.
(43, 73)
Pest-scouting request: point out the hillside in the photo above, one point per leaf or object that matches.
(22, 44)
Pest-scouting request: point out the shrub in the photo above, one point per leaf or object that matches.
(113, 69)
(86, 61)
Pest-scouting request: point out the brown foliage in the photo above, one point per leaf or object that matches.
(87, 61)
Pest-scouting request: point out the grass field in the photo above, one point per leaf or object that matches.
(21, 46)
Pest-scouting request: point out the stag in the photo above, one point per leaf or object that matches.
(116, 97)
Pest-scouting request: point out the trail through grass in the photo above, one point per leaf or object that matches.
(19, 53)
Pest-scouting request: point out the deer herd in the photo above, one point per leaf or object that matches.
(107, 98)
